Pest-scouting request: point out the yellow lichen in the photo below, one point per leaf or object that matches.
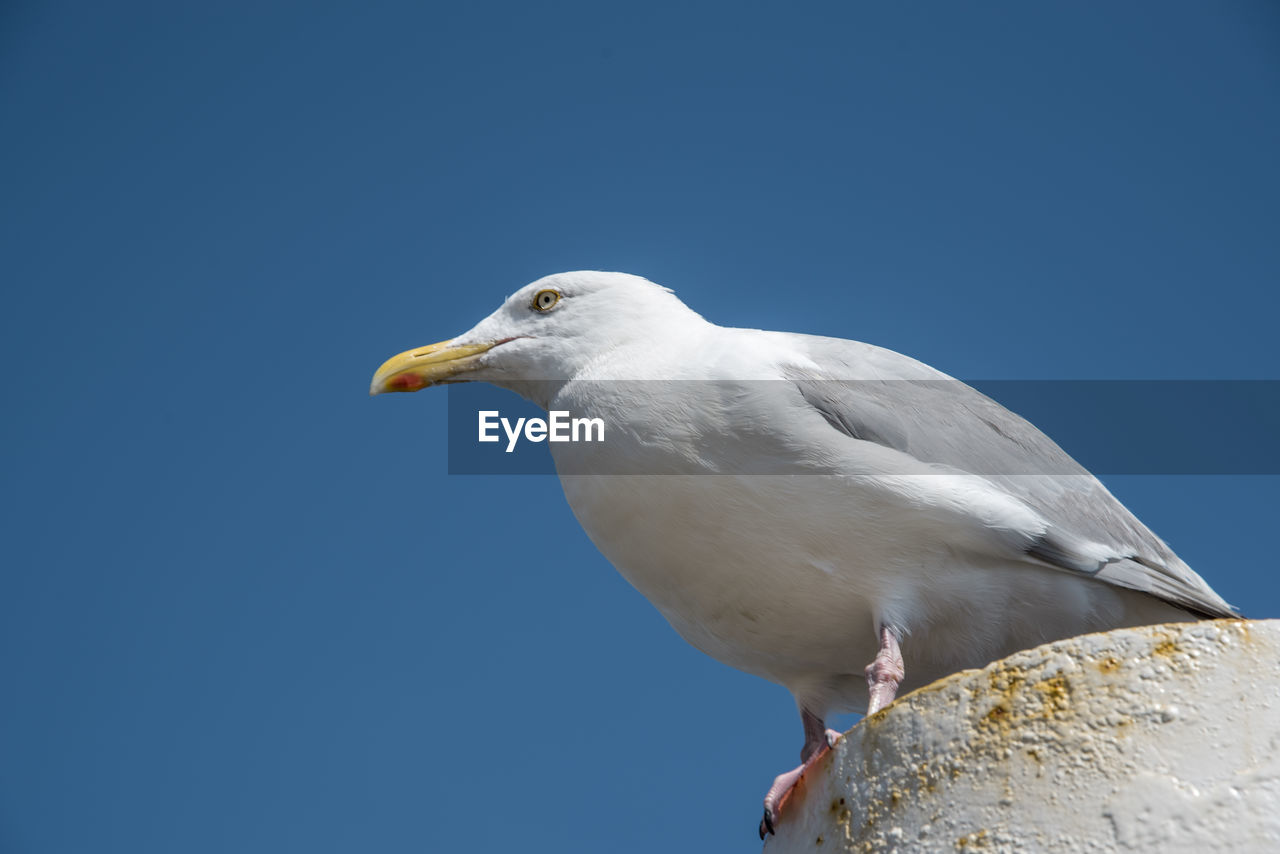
(1057, 695)
(973, 841)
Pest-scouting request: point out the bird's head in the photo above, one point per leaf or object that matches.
(547, 331)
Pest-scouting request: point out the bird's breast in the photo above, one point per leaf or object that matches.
(771, 574)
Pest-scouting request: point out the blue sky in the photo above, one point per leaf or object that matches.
(244, 608)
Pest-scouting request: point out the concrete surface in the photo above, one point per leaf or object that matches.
(1160, 738)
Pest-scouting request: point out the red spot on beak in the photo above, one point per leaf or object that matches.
(405, 382)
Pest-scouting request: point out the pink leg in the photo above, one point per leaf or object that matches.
(885, 672)
(817, 740)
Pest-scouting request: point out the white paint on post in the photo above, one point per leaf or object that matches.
(1160, 739)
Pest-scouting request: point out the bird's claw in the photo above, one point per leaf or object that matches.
(766, 824)
(780, 791)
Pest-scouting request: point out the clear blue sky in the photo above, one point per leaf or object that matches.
(242, 606)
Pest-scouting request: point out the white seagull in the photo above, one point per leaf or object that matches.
(798, 506)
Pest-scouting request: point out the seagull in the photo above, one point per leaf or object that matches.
(830, 515)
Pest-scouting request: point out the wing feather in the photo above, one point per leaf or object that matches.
(871, 394)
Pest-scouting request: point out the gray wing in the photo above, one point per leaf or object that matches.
(876, 395)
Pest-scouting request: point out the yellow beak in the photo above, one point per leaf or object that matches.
(424, 366)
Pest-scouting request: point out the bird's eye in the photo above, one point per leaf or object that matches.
(545, 300)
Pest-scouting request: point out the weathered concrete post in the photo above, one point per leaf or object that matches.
(1161, 739)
